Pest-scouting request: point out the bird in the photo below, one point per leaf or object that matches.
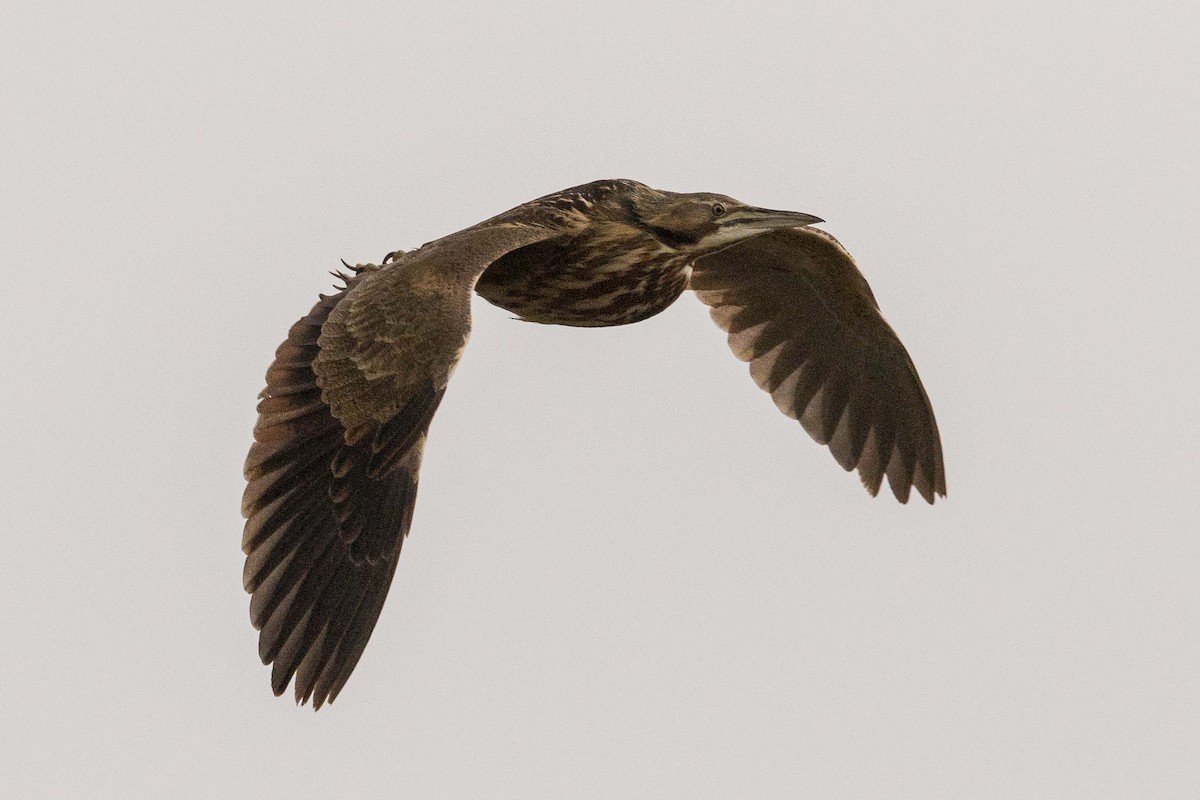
(342, 423)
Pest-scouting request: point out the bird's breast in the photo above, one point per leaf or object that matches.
(591, 281)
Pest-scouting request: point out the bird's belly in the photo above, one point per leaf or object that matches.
(551, 287)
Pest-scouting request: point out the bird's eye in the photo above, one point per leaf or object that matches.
(718, 209)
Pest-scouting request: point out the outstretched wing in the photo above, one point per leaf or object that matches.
(332, 475)
(797, 308)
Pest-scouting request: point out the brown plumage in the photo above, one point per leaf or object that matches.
(332, 475)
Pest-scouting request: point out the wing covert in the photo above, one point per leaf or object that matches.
(403, 328)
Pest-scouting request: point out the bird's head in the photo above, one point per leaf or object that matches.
(702, 222)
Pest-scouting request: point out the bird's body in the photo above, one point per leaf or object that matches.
(332, 475)
(580, 282)
(601, 270)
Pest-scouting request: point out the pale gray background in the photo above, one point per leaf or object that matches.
(629, 575)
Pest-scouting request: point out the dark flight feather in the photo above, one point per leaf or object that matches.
(332, 474)
(796, 307)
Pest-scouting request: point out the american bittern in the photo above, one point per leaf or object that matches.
(342, 423)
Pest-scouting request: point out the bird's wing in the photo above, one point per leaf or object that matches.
(797, 308)
(332, 475)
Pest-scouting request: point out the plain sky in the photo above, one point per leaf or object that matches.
(629, 575)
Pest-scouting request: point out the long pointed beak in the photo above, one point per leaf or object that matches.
(765, 219)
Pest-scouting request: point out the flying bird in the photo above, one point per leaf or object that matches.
(342, 422)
